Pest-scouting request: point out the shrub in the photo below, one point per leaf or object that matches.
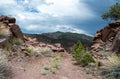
(77, 51)
(5, 71)
(80, 55)
(42, 51)
(112, 67)
(53, 65)
(38, 51)
(86, 59)
(58, 57)
(29, 51)
(15, 41)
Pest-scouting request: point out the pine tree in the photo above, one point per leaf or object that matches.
(77, 51)
(82, 56)
(113, 13)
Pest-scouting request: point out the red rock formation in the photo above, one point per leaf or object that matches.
(34, 42)
(7, 19)
(8, 23)
(15, 30)
(106, 38)
(116, 43)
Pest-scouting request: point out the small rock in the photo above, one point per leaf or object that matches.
(63, 77)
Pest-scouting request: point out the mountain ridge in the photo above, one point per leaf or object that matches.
(67, 39)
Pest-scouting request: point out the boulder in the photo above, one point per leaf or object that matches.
(54, 49)
(15, 30)
(107, 38)
(7, 19)
(57, 45)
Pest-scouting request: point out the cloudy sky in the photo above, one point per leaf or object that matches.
(40, 16)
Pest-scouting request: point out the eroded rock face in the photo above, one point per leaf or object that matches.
(107, 38)
(8, 29)
(4, 29)
(4, 33)
(116, 43)
(15, 30)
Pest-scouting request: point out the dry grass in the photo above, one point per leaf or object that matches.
(42, 51)
(113, 60)
(39, 51)
(111, 70)
(5, 71)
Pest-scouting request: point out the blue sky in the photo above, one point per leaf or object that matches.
(40, 16)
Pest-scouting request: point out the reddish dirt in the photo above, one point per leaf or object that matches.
(32, 68)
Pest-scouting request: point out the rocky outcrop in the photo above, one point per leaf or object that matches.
(116, 43)
(8, 29)
(15, 30)
(7, 19)
(35, 43)
(107, 38)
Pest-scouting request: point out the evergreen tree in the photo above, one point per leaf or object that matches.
(113, 13)
(82, 56)
(77, 51)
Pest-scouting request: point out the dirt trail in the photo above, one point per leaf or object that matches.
(32, 70)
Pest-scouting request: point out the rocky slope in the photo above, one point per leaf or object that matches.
(10, 30)
(107, 39)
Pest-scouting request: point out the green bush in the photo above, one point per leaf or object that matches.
(86, 59)
(77, 51)
(13, 41)
(81, 55)
(29, 51)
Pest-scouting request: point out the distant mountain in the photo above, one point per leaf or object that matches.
(66, 39)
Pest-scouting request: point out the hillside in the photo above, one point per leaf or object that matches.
(66, 39)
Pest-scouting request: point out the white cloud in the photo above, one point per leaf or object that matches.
(72, 8)
(68, 28)
(46, 10)
(4, 2)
